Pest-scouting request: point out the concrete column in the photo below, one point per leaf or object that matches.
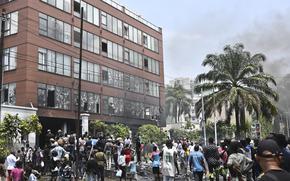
(85, 123)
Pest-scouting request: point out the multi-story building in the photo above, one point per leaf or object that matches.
(122, 64)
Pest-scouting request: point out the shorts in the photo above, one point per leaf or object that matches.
(156, 170)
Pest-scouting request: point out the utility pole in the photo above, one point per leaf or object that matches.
(79, 94)
(203, 118)
(215, 121)
(3, 19)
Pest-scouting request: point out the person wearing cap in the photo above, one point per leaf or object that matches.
(269, 157)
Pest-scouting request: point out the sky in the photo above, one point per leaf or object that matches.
(194, 28)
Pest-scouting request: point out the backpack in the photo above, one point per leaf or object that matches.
(100, 158)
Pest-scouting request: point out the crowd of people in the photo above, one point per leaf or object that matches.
(243, 160)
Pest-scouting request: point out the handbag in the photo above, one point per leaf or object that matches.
(119, 173)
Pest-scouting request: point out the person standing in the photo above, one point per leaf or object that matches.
(17, 174)
(155, 158)
(239, 164)
(197, 163)
(122, 164)
(101, 163)
(169, 162)
(10, 162)
(269, 157)
(91, 168)
(108, 151)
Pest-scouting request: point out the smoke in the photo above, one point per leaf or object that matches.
(271, 38)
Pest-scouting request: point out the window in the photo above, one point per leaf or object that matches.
(104, 19)
(151, 65)
(146, 63)
(104, 46)
(43, 24)
(112, 50)
(77, 7)
(90, 102)
(50, 96)
(105, 75)
(150, 42)
(9, 94)
(10, 55)
(77, 37)
(49, 26)
(90, 41)
(11, 23)
(126, 31)
(54, 62)
(126, 55)
(90, 71)
(54, 96)
(111, 24)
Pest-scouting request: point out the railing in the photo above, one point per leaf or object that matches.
(131, 14)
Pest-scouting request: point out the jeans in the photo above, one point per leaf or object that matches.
(168, 178)
(109, 160)
(91, 177)
(197, 176)
(100, 173)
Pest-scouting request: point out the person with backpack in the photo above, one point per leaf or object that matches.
(91, 168)
(212, 157)
(101, 163)
(238, 163)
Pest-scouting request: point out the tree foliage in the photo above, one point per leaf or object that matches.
(177, 96)
(236, 81)
(30, 125)
(98, 126)
(224, 130)
(178, 134)
(119, 130)
(149, 132)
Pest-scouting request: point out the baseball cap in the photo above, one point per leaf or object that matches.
(268, 148)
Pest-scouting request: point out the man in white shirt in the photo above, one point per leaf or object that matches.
(10, 162)
(169, 162)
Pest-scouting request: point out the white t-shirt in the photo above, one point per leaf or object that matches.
(168, 166)
(10, 160)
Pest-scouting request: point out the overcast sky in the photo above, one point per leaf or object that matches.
(194, 28)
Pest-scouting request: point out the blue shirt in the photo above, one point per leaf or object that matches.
(196, 159)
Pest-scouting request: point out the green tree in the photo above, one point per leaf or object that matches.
(98, 126)
(266, 127)
(178, 134)
(177, 96)
(224, 130)
(9, 128)
(119, 130)
(236, 81)
(4, 150)
(30, 125)
(149, 132)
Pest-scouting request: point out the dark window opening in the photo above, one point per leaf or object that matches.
(98, 108)
(50, 98)
(146, 63)
(86, 106)
(77, 7)
(5, 95)
(104, 47)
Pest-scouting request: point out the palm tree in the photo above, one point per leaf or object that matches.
(177, 96)
(236, 81)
